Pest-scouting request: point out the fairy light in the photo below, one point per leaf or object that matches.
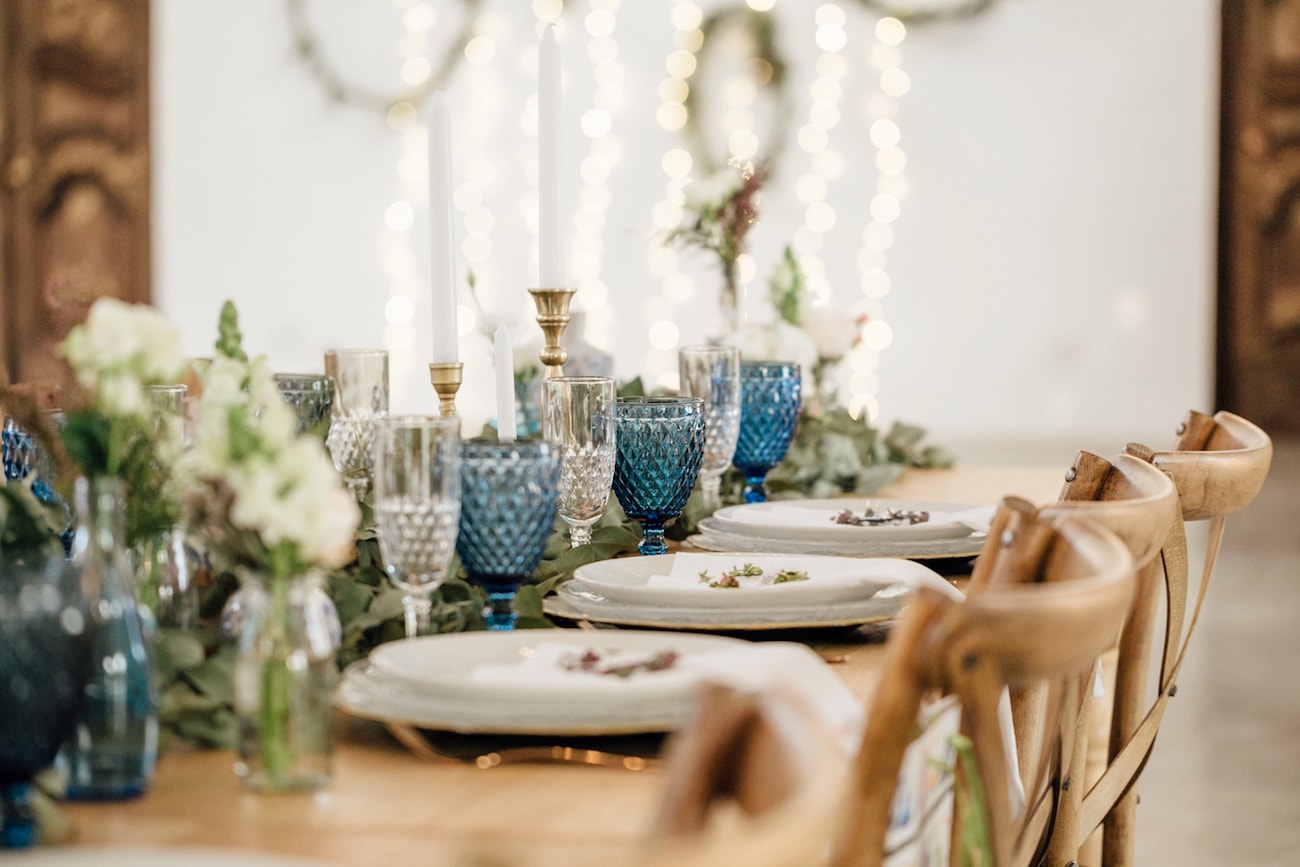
(886, 204)
(677, 165)
(603, 153)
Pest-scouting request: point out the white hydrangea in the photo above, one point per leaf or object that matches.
(119, 350)
(831, 332)
(711, 193)
(776, 341)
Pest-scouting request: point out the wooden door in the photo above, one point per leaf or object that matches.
(1259, 234)
(74, 169)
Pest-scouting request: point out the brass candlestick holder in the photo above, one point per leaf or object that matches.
(446, 379)
(553, 316)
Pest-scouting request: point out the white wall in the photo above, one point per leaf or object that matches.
(1052, 268)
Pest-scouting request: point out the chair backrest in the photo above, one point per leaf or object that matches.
(1006, 633)
(1218, 465)
(782, 805)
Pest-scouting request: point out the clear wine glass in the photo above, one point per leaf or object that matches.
(712, 373)
(360, 396)
(417, 506)
(508, 497)
(660, 445)
(311, 397)
(578, 413)
(769, 411)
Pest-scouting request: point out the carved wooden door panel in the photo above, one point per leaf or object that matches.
(1259, 235)
(74, 168)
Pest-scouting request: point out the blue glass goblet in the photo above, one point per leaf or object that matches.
(46, 635)
(660, 444)
(507, 511)
(24, 456)
(769, 411)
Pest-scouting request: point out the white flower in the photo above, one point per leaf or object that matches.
(711, 193)
(832, 333)
(120, 349)
(777, 341)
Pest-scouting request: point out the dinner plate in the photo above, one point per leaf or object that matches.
(713, 538)
(814, 520)
(572, 602)
(530, 665)
(508, 706)
(676, 580)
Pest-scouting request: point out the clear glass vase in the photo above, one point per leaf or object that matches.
(283, 682)
(113, 747)
(165, 574)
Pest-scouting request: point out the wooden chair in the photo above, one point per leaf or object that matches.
(1218, 465)
(1072, 589)
(740, 790)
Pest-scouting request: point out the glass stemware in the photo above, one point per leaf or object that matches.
(311, 397)
(46, 636)
(769, 411)
(360, 379)
(23, 455)
(660, 446)
(578, 413)
(509, 492)
(712, 373)
(417, 506)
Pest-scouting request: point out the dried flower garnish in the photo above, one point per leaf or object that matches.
(617, 663)
(888, 517)
(731, 579)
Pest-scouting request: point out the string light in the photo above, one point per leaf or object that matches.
(886, 204)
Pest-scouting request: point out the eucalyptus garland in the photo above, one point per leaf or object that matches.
(337, 86)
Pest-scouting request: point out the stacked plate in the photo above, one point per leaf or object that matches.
(739, 592)
(947, 530)
(540, 682)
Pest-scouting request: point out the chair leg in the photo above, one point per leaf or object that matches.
(1117, 837)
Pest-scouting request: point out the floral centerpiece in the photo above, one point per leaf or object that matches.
(719, 212)
(271, 507)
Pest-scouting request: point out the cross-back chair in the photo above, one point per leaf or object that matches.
(1218, 465)
(1073, 587)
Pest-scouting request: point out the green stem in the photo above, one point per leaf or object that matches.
(277, 684)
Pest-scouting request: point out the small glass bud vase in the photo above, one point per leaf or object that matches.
(283, 682)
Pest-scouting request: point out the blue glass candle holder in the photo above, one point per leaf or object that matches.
(507, 511)
(23, 456)
(660, 443)
(769, 411)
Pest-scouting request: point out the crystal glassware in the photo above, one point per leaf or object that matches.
(660, 446)
(712, 373)
(578, 414)
(360, 378)
(23, 456)
(311, 397)
(46, 635)
(417, 506)
(509, 492)
(769, 411)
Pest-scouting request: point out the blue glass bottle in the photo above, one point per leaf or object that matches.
(112, 750)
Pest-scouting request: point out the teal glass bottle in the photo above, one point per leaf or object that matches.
(112, 750)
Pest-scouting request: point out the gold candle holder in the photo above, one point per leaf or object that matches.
(553, 316)
(446, 379)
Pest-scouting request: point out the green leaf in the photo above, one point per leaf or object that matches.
(86, 440)
(176, 651)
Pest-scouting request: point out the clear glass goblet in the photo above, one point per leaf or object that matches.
(712, 373)
(360, 379)
(578, 414)
(509, 492)
(311, 397)
(769, 411)
(660, 446)
(417, 506)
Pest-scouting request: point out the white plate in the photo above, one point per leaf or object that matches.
(524, 666)
(673, 580)
(573, 603)
(813, 520)
(712, 538)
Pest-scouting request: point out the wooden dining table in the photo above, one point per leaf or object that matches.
(386, 805)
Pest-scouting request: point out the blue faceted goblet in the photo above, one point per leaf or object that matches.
(507, 511)
(769, 410)
(660, 443)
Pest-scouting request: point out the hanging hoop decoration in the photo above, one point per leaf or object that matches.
(767, 66)
(336, 85)
(917, 12)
